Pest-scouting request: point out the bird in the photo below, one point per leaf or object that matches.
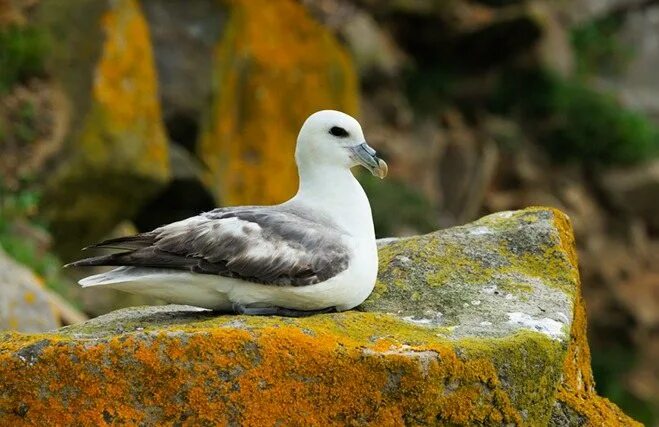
(315, 253)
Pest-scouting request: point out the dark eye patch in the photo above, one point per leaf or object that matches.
(338, 131)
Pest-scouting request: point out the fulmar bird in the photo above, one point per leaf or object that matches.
(314, 253)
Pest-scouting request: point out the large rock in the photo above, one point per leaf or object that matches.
(275, 65)
(116, 153)
(184, 35)
(24, 306)
(476, 325)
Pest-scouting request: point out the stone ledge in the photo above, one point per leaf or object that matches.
(480, 324)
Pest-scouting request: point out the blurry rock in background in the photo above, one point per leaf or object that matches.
(24, 306)
(118, 116)
(269, 74)
(115, 154)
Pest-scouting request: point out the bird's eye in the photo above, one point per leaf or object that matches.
(338, 131)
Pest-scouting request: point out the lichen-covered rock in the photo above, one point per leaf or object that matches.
(116, 155)
(24, 306)
(476, 325)
(275, 66)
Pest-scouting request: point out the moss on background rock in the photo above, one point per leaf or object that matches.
(576, 123)
(477, 348)
(23, 50)
(118, 152)
(270, 75)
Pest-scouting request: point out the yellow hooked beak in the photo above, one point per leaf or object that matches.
(366, 156)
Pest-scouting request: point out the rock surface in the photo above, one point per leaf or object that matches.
(24, 306)
(476, 325)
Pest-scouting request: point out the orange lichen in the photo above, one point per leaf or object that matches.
(352, 368)
(576, 392)
(125, 97)
(318, 371)
(270, 75)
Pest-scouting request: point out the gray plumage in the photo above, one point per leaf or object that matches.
(275, 245)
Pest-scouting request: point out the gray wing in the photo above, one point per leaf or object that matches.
(257, 244)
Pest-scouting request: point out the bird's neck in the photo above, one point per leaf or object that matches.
(335, 191)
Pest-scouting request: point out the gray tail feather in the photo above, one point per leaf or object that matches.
(102, 260)
(147, 257)
(137, 241)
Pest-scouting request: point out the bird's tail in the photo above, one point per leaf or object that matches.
(117, 276)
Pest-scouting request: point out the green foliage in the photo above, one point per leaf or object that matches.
(594, 126)
(597, 49)
(575, 122)
(431, 87)
(25, 125)
(22, 52)
(610, 368)
(18, 206)
(396, 205)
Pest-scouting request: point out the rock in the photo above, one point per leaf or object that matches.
(466, 170)
(24, 306)
(268, 78)
(374, 52)
(635, 81)
(588, 10)
(185, 80)
(477, 325)
(115, 155)
(634, 190)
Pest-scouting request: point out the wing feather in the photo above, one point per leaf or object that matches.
(257, 244)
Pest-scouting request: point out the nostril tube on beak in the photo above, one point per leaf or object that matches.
(366, 156)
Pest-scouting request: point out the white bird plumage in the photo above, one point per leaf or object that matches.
(317, 251)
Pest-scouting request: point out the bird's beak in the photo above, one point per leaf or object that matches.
(366, 156)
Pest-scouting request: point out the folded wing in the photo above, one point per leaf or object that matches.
(257, 244)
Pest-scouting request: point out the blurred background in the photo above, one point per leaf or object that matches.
(117, 116)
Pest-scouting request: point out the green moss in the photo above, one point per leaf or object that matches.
(22, 52)
(597, 49)
(608, 368)
(21, 206)
(575, 122)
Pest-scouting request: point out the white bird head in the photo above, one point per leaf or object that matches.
(334, 138)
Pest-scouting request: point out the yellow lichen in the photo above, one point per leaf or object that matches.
(352, 368)
(269, 78)
(411, 268)
(323, 370)
(29, 297)
(577, 390)
(118, 153)
(124, 127)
